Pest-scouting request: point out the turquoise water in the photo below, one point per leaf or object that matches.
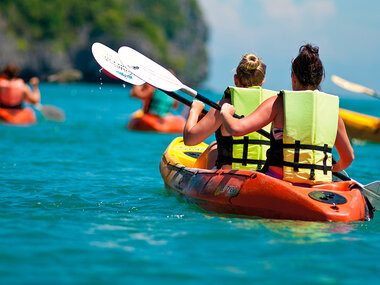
(83, 202)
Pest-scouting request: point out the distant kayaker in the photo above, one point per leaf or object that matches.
(14, 91)
(306, 125)
(155, 102)
(228, 152)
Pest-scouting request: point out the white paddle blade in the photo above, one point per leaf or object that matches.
(53, 113)
(148, 70)
(109, 60)
(372, 191)
(50, 112)
(353, 87)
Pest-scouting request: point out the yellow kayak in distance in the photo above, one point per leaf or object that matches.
(360, 126)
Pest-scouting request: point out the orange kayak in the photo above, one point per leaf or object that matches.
(360, 126)
(251, 193)
(25, 116)
(147, 122)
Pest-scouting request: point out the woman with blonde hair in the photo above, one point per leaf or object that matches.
(229, 152)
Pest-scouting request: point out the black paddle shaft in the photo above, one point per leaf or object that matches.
(181, 99)
(341, 176)
(217, 106)
(211, 104)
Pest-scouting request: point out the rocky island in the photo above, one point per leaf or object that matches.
(46, 38)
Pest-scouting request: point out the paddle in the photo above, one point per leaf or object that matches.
(161, 78)
(51, 112)
(372, 191)
(353, 87)
(111, 65)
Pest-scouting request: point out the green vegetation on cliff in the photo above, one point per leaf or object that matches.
(171, 31)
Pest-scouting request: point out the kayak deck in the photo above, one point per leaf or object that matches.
(251, 193)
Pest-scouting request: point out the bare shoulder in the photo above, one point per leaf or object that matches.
(18, 81)
(271, 107)
(273, 102)
(224, 100)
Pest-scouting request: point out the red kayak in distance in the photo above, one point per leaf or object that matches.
(25, 116)
(140, 121)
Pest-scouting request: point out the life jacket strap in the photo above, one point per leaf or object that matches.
(307, 166)
(246, 141)
(297, 146)
(325, 151)
(244, 161)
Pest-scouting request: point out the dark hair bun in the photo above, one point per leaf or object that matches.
(307, 67)
(309, 49)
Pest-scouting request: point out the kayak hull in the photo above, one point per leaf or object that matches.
(251, 193)
(25, 116)
(360, 126)
(147, 122)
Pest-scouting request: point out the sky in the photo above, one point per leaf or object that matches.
(347, 33)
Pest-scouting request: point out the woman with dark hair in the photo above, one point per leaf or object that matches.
(14, 91)
(306, 126)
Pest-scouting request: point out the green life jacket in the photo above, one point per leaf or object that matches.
(310, 128)
(160, 104)
(249, 151)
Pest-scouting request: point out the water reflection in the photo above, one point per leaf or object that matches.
(300, 232)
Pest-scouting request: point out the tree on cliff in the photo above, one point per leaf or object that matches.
(46, 37)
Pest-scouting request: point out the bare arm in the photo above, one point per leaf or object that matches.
(261, 117)
(344, 148)
(143, 91)
(197, 131)
(33, 95)
(175, 105)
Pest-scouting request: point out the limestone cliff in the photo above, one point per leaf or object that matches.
(48, 37)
